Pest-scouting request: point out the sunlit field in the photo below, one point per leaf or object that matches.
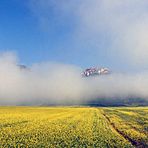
(73, 127)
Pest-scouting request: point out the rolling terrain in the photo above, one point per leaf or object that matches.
(73, 127)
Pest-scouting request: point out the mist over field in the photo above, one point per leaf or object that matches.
(56, 83)
(74, 73)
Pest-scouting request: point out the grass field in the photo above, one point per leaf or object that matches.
(73, 127)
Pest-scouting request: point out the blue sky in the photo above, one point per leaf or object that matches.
(96, 33)
(20, 32)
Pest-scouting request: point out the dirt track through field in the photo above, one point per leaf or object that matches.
(137, 144)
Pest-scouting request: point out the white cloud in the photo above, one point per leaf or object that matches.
(59, 83)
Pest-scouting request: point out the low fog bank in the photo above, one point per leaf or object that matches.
(56, 83)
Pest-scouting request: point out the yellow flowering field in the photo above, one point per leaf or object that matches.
(66, 127)
(131, 122)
